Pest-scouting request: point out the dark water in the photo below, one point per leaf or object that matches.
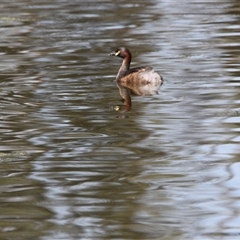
(73, 167)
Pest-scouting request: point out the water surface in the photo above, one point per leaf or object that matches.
(73, 166)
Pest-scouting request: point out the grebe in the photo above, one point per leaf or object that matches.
(142, 75)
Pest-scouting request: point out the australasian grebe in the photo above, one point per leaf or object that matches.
(126, 74)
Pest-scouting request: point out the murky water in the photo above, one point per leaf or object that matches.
(73, 166)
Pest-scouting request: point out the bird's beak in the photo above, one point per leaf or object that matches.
(114, 53)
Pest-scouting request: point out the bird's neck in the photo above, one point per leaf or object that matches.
(124, 67)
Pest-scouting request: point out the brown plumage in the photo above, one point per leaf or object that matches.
(139, 75)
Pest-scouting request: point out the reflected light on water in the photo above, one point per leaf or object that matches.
(72, 167)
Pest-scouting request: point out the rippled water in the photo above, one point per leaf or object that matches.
(73, 166)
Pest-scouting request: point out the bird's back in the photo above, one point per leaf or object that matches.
(141, 75)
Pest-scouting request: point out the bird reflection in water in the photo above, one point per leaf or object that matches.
(140, 88)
